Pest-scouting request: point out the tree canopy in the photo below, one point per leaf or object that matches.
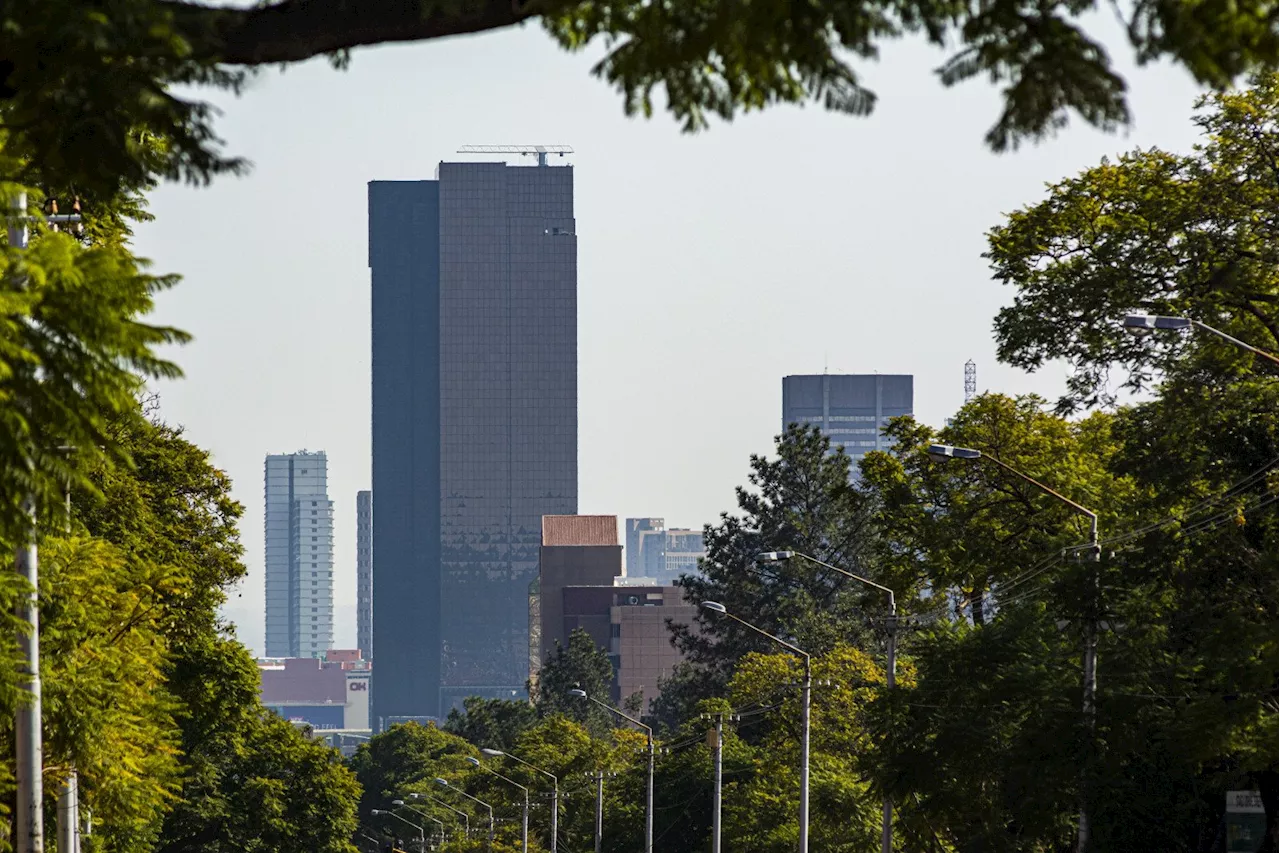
(120, 61)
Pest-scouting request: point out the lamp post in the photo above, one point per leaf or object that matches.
(445, 784)
(28, 728)
(648, 809)
(435, 820)
(891, 661)
(422, 831)
(806, 688)
(466, 820)
(555, 790)
(944, 452)
(524, 815)
(1141, 324)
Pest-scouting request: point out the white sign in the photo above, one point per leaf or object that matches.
(1244, 802)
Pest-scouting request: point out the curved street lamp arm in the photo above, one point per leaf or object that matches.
(608, 707)
(1211, 330)
(893, 604)
(799, 651)
(1090, 514)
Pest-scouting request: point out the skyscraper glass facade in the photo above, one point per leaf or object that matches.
(474, 422)
(298, 528)
(364, 573)
(851, 410)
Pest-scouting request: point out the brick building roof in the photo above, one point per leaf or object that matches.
(579, 530)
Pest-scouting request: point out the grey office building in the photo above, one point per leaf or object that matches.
(475, 423)
(364, 573)
(851, 410)
(298, 532)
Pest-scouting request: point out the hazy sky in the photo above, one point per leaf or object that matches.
(709, 266)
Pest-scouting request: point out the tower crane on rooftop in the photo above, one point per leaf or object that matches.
(539, 151)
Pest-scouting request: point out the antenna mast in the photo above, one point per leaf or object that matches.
(970, 380)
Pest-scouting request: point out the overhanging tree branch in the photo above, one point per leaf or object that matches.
(294, 30)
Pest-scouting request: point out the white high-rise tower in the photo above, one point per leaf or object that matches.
(299, 555)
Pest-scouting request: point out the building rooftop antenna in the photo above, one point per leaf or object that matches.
(970, 380)
(539, 151)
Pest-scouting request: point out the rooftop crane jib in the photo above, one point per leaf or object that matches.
(539, 151)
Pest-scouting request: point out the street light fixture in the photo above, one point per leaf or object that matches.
(445, 783)
(555, 789)
(1145, 324)
(524, 815)
(466, 819)
(891, 660)
(942, 452)
(806, 688)
(402, 804)
(648, 809)
(422, 831)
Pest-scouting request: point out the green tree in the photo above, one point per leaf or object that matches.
(249, 781)
(491, 723)
(800, 501)
(579, 666)
(970, 530)
(1189, 706)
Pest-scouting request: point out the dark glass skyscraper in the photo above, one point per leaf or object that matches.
(475, 425)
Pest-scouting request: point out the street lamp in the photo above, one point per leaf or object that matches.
(445, 783)
(466, 819)
(943, 452)
(891, 661)
(648, 809)
(1144, 324)
(805, 691)
(422, 831)
(403, 805)
(524, 816)
(555, 790)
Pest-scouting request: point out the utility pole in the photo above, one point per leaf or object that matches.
(715, 739)
(27, 732)
(891, 680)
(69, 790)
(599, 808)
(806, 690)
(1090, 687)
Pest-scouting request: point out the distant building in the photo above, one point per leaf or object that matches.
(325, 694)
(631, 623)
(364, 573)
(661, 554)
(475, 422)
(851, 410)
(576, 550)
(298, 528)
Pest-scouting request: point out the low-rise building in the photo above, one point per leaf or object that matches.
(325, 694)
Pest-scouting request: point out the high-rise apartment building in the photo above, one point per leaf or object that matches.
(851, 410)
(660, 553)
(475, 424)
(364, 573)
(298, 528)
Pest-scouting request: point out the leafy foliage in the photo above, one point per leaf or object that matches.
(1154, 232)
(72, 354)
(580, 666)
(802, 501)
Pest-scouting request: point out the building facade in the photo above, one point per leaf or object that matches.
(851, 410)
(328, 694)
(364, 573)
(659, 554)
(298, 528)
(577, 550)
(475, 426)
